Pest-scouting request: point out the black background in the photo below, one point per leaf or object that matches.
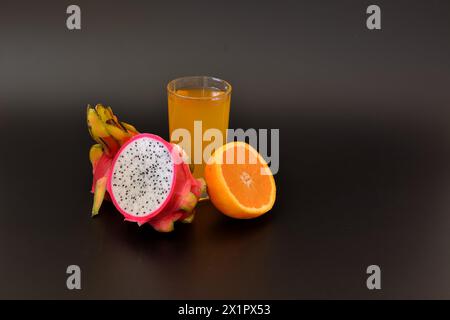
(364, 147)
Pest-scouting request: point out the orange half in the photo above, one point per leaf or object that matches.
(240, 183)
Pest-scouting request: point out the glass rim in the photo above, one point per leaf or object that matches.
(226, 93)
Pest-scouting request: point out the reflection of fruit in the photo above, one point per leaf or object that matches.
(240, 184)
(150, 183)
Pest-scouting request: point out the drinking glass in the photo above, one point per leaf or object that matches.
(197, 104)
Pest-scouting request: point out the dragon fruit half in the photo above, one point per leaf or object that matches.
(147, 178)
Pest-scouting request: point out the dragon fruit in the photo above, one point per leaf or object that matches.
(146, 177)
(149, 182)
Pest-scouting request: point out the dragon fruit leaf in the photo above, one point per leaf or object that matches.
(99, 132)
(165, 223)
(188, 202)
(189, 218)
(131, 129)
(103, 113)
(118, 134)
(95, 153)
(99, 194)
(100, 179)
(199, 187)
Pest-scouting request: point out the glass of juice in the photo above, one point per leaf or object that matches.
(196, 104)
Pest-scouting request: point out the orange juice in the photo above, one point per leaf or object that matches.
(211, 106)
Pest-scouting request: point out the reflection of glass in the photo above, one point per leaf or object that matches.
(198, 98)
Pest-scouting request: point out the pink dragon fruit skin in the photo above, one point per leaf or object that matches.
(101, 169)
(179, 201)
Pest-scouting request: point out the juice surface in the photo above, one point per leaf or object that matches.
(209, 105)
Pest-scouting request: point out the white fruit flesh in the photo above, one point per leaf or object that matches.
(142, 177)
